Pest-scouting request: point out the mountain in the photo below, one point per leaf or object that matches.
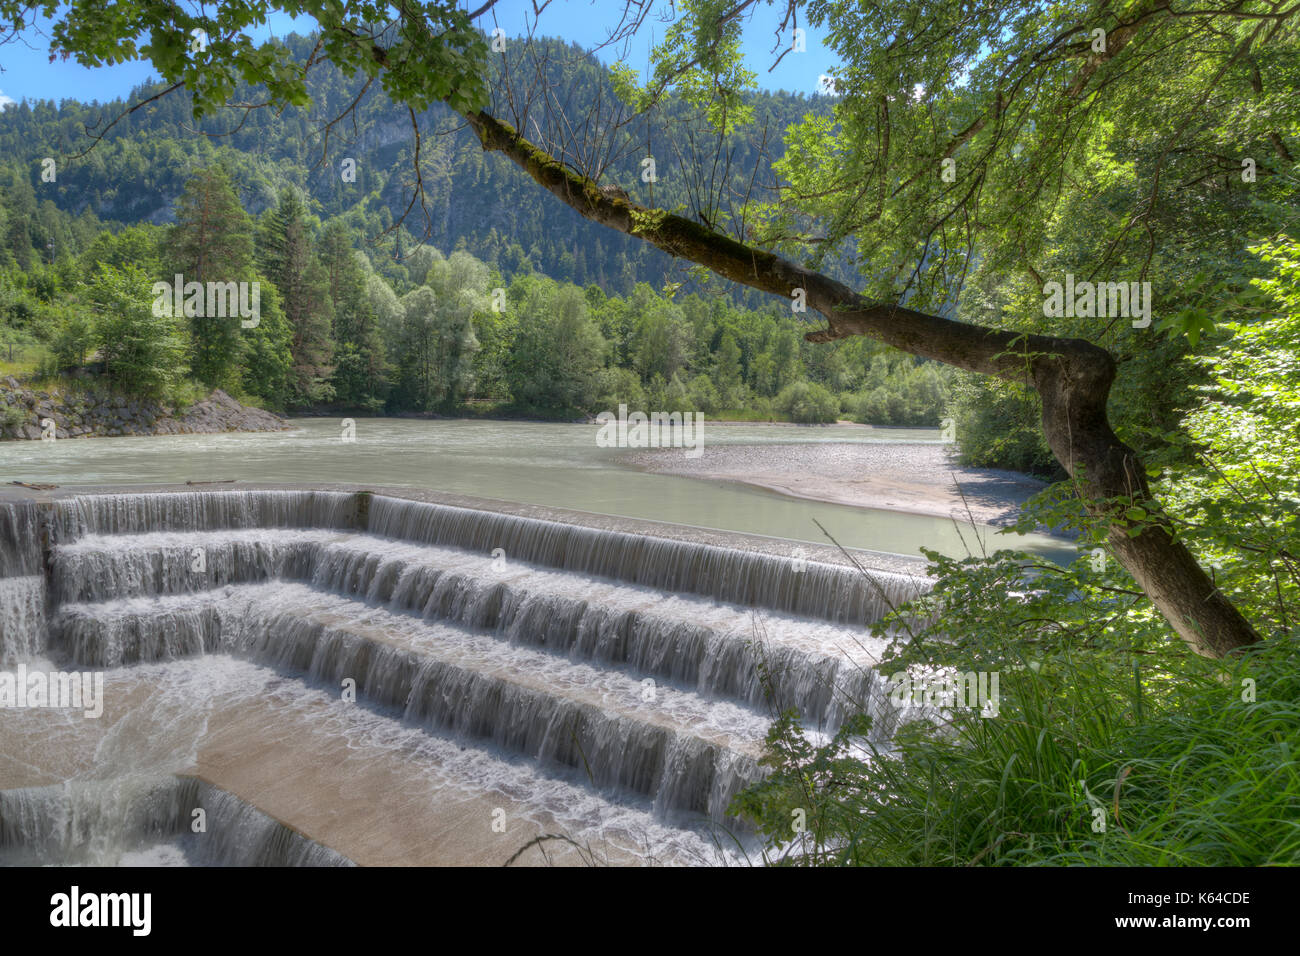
(481, 203)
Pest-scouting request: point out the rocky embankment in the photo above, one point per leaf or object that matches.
(87, 415)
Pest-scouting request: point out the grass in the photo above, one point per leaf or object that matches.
(748, 415)
(31, 376)
(20, 360)
(1092, 760)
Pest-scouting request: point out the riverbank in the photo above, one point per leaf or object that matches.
(917, 478)
(88, 414)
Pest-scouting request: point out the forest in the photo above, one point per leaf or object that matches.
(360, 329)
(363, 312)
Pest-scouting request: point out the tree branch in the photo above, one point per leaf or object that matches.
(1009, 355)
(1071, 376)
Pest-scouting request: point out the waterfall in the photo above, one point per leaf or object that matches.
(817, 667)
(201, 511)
(241, 835)
(641, 670)
(741, 577)
(830, 592)
(20, 539)
(147, 820)
(520, 700)
(88, 822)
(22, 618)
(103, 567)
(22, 583)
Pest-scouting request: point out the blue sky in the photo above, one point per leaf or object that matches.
(28, 73)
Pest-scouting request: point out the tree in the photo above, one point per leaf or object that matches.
(418, 378)
(21, 203)
(288, 259)
(930, 97)
(1243, 430)
(268, 357)
(74, 337)
(558, 352)
(461, 285)
(808, 403)
(438, 346)
(359, 357)
(134, 245)
(660, 339)
(727, 372)
(1071, 376)
(143, 353)
(495, 332)
(212, 241)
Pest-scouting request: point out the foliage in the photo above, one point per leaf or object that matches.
(73, 339)
(11, 418)
(899, 391)
(143, 353)
(1092, 759)
(1238, 501)
(997, 425)
(1112, 743)
(808, 403)
(333, 328)
(212, 241)
(559, 351)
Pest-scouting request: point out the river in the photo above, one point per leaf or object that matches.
(555, 465)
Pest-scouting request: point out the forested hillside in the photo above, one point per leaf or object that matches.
(140, 164)
(490, 296)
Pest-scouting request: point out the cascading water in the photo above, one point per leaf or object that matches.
(748, 578)
(22, 618)
(147, 822)
(22, 584)
(634, 675)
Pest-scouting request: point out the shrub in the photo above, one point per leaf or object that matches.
(1112, 744)
(617, 386)
(11, 419)
(703, 395)
(807, 403)
(998, 425)
(75, 337)
(144, 354)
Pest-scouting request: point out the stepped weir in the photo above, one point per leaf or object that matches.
(326, 677)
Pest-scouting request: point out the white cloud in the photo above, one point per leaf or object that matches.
(6, 100)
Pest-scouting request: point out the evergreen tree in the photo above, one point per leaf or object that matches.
(287, 257)
(727, 372)
(212, 241)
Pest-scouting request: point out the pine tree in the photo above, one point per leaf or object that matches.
(359, 357)
(21, 200)
(212, 241)
(288, 259)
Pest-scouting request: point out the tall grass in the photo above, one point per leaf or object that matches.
(1090, 760)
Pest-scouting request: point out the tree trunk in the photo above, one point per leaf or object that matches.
(1112, 479)
(1072, 376)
